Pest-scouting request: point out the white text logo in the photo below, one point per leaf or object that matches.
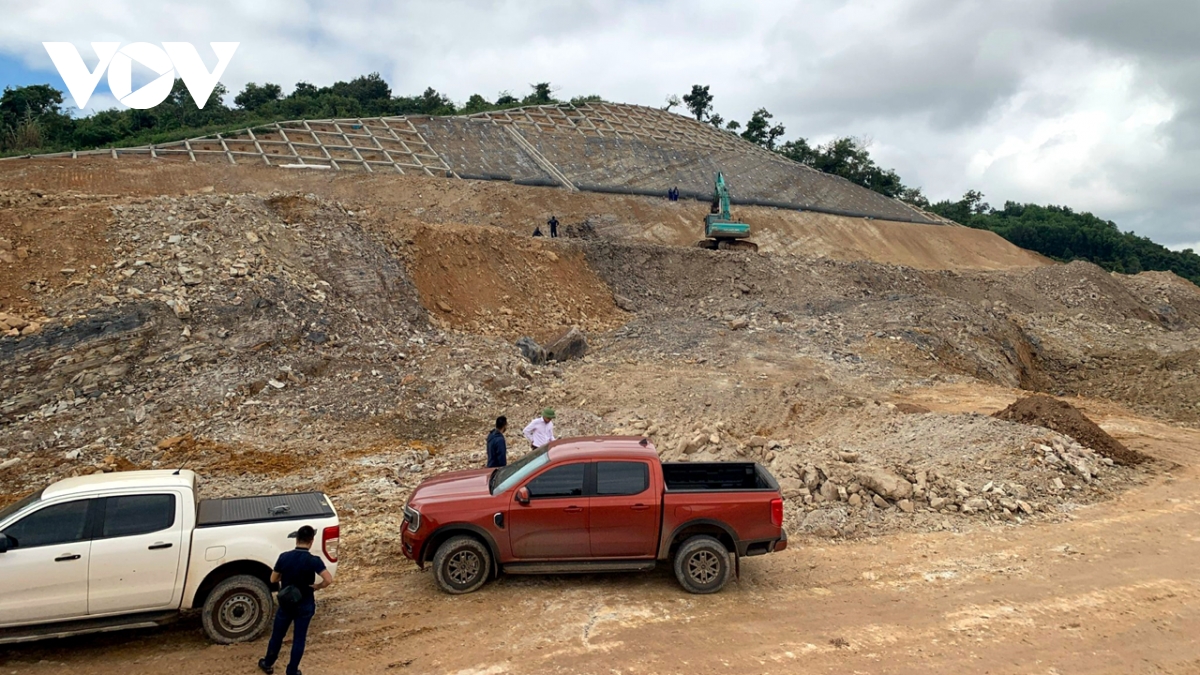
(178, 57)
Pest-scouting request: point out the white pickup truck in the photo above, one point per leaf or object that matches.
(133, 549)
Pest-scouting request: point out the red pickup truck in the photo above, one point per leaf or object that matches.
(596, 504)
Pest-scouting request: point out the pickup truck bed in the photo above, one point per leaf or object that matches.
(243, 510)
(723, 476)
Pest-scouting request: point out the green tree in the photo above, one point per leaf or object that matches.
(699, 101)
(759, 129)
(477, 103)
(253, 97)
(541, 95)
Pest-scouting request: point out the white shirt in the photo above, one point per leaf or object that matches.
(539, 432)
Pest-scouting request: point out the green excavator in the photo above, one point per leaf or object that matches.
(721, 231)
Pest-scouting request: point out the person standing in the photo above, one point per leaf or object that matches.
(295, 572)
(497, 449)
(541, 430)
(553, 223)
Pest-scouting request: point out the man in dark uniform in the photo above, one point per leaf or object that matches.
(553, 223)
(497, 449)
(297, 568)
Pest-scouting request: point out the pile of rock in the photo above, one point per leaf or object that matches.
(12, 325)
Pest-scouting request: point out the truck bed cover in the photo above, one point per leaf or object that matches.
(241, 510)
(717, 476)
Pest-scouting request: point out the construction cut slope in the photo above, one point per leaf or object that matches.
(518, 208)
(596, 147)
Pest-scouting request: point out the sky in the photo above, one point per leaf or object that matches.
(1092, 104)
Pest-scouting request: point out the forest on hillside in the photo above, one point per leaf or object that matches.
(33, 120)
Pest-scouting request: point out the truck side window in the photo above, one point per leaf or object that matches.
(138, 514)
(621, 478)
(58, 524)
(561, 481)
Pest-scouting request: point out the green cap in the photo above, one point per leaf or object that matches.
(548, 413)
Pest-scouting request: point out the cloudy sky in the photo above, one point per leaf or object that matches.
(1093, 104)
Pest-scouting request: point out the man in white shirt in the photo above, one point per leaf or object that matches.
(541, 430)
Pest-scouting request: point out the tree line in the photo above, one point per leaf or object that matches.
(32, 120)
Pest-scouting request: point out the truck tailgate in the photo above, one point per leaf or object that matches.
(241, 510)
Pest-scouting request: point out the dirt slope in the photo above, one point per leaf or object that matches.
(520, 209)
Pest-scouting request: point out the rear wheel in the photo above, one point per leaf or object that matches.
(462, 564)
(702, 565)
(239, 609)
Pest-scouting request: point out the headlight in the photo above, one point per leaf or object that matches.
(412, 519)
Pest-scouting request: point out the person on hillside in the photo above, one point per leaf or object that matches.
(295, 572)
(497, 449)
(541, 430)
(537, 231)
(553, 223)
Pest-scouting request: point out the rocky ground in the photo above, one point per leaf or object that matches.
(284, 340)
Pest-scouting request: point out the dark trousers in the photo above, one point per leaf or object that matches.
(299, 620)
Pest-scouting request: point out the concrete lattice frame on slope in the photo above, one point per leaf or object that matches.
(595, 146)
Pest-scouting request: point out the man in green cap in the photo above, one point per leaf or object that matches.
(541, 430)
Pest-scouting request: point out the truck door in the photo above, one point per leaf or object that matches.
(44, 572)
(623, 512)
(136, 554)
(553, 525)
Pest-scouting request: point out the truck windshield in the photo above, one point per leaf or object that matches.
(514, 473)
(13, 508)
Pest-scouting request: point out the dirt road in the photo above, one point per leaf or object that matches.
(1113, 590)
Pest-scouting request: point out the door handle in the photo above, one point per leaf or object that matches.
(573, 509)
(67, 556)
(639, 507)
(155, 547)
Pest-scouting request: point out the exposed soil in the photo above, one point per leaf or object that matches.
(355, 334)
(1046, 411)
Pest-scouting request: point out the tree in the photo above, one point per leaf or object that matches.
(716, 120)
(541, 95)
(253, 97)
(699, 101)
(303, 89)
(475, 104)
(733, 125)
(672, 101)
(506, 98)
(759, 129)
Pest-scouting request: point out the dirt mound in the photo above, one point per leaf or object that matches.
(1045, 411)
(483, 280)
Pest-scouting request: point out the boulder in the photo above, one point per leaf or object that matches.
(883, 482)
(570, 345)
(790, 488)
(532, 351)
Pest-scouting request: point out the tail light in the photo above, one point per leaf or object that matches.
(329, 542)
(777, 512)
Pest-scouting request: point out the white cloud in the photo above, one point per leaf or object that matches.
(1089, 103)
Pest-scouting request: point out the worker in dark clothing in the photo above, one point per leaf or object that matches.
(295, 572)
(497, 449)
(537, 231)
(553, 223)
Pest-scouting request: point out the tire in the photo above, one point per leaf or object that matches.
(239, 609)
(702, 565)
(462, 564)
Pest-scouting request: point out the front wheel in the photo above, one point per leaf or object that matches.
(702, 565)
(239, 609)
(462, 564)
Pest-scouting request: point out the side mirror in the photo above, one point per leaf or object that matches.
(523, 495)
(3, 542)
